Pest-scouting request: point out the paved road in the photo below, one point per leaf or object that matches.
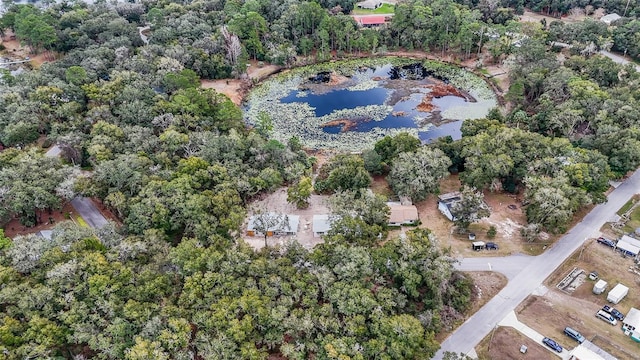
(535, 271)
(89, 212)
(509, 266)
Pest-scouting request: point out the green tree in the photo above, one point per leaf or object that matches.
(299, 193)
(418, 174)
(343, 172)
(470, 209)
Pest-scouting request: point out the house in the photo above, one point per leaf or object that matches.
(369, 4)
(287, 226)
(446, 203)
(46, 234)
(370, 20)
(321, 224)
(402, 214)
(610, 18)
(589, 351)
(631, 324)
(628, 246)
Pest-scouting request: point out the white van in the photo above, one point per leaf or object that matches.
(606, 317)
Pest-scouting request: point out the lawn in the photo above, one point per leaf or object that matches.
(384, 9)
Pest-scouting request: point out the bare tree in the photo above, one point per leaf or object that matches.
(232, 46)
(265, 222)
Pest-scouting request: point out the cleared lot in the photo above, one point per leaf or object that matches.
(505, 342)
(551, 312)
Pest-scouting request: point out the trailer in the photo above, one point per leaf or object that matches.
(478, 245)
(617, 294)
(599, 287)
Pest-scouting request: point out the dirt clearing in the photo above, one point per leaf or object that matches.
(237, 89)
(505, 342)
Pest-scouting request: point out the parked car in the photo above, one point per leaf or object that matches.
(491, 246)
(552, 344)
(574, 334)
(605, 241)
(616, 314)
(593, 275)
(605, 316)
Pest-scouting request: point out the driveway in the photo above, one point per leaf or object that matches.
(89, 212)
(617, 58)
(535, 271)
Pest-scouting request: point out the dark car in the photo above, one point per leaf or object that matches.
(491, 246)
(552, 344)
(615, 313)
(605, 241)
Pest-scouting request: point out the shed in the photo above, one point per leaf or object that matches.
(610, 18)
(321, 224)
(369, 4)
(631, 322)
(599, 287)
(446, 203)
(589, 351)
(288, 226)
(477, 245)
(402, 214)
(628, 245)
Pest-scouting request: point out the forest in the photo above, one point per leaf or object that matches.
(178, 167)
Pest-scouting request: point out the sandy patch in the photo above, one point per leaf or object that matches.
(277, 202)
(505, 342)
(15, 51)
(237, 89)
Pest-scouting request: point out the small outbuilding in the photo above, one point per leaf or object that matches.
(400, 214)
(478, 245)
(628, 246)
(599, 287)
(610, 18)
(631, 322)
(589, 351)
(321, 225)
(446, 203)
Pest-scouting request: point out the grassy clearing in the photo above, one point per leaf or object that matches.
(384, 9)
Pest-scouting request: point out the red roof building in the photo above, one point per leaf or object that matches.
(371, 20)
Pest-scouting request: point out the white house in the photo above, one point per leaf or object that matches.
(287, 226)
(446, 203)
(369, 4)
(321, 225)
(402, 214)
(610, 18)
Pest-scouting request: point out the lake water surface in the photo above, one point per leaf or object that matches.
(373, 102)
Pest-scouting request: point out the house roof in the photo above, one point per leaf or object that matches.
(635, 250)
(289, 223)
(450, 198)
(321, 223)
(629, 240)
(609, 18)
(369, 4)
(589, 351)
(401, 213)
(371, 19)
(632, 318)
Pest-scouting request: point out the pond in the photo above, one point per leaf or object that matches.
(351, 105)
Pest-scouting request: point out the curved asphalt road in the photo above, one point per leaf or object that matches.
(89, 212)
(533, 271)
